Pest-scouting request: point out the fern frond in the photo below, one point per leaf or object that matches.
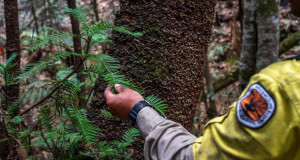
(9, 79)
(32, 69)
(100, 27)
(69, 87)
(80, 15)
(47, 40)
(11, 58)
(88, 131)
(35, 67)
(130, 135)
(104, 63)
(106, 114)
(71, 145)
(14, 106)
(36, 90)
(17, 119)
(157, 103)
(63, 55)
(48, 115)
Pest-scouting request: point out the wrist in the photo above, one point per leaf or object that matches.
(136, 109)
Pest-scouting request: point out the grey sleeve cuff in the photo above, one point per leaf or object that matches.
(164, 139)
(147, 119)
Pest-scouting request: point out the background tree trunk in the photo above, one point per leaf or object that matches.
(76, 31)
(73, 61)
(168, 60)
(9, 146)
(260, 36)
(12, 46)
(295, 7)
(95, 8)
(36, 25)
(210, 107)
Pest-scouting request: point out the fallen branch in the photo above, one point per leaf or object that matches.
(289, 42)
(226, 80)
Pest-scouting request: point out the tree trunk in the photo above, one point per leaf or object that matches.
(36, 25)
(12, 46)
(260, 36)
(73, 61)
(95, 8)
(210, 107)
(8, 147)
(76, 31)
(295, 7)
(168, 60)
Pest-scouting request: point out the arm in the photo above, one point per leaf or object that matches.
(164, 139)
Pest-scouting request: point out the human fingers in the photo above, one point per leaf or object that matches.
(119, 88)
(108, 93)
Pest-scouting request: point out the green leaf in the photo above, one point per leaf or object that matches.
(88, 131)
(98, 37)
(11, 58)
(17, 119)
(4, 140)
(106, 114)
(80, 15)
(157, 103)
(130, 135)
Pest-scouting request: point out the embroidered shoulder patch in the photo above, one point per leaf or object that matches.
(256, 107)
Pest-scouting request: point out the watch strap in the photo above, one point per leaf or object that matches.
(136, 109)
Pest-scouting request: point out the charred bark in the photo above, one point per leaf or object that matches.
(8, 147)
(12, 46)
(168, 60)
(295, 7)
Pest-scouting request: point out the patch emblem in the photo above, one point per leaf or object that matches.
(256, 107)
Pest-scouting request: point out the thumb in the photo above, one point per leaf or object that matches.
(108, 93)
(119, 88)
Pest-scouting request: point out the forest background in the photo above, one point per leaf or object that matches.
(52, 105)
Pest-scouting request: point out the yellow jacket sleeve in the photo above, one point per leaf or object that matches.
(263, 124)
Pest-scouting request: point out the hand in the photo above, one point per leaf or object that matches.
(123, 101)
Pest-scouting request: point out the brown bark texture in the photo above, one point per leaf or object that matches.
(95, 8)
(168, 60)
(260, 36)
(36, 25)
(73, 61)
(295, 7)
(8, 148)
(12, 46)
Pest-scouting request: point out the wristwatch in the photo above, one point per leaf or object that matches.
(136, 109)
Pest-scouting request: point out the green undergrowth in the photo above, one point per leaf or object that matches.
(63, 128)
